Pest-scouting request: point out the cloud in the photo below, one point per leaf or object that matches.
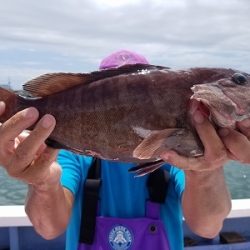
(48, 36)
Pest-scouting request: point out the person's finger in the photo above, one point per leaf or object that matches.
(47, 156)
(237, 143)
(23, 137)
(214, 147)
(20, 139)
(17, 123)
(215, 154)
(2, 107)
(244, 127)
(27, 150)
(188, 163)
(39, 169)
(175, 159)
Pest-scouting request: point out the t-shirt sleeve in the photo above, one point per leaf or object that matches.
(179, 178)
(71, 170)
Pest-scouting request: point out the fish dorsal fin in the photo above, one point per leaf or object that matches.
(52, 83)
(48, 84)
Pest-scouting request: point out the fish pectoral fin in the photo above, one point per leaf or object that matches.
(184, 141)
(152, 146)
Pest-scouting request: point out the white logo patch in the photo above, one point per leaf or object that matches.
(120, 238)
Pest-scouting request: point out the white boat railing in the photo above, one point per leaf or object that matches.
(14, 216)
(240, 208)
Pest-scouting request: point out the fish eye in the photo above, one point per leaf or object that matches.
(239, 79)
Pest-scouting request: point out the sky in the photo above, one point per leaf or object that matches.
(37, 37)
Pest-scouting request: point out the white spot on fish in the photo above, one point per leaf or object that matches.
(142, 72)
(92, 153)
(196, 153)
(142, 132)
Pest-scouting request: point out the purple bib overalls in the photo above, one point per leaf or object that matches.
(111, 233)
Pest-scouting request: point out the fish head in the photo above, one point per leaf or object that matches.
(228, 99)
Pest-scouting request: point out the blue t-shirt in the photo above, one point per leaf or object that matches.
(122, 195)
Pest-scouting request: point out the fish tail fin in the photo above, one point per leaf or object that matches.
(10, 99)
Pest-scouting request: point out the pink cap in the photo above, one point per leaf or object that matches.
(120, 58)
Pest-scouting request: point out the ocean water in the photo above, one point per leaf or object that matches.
(13, 192)
(238, 179)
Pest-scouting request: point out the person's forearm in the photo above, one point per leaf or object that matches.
(48, 208)
(206, 201)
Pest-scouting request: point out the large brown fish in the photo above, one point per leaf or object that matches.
(134, 112)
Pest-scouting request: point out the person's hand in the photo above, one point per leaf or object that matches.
(205, 183)
(24, 154)
(237, 142)
(215, 153)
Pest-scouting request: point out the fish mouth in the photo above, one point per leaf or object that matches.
(220, 118)
(207, 94)
(240, 112)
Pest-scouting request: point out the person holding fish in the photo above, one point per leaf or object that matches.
(100, 202)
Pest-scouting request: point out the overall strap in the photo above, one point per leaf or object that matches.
(90, 202)
(158, 185)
